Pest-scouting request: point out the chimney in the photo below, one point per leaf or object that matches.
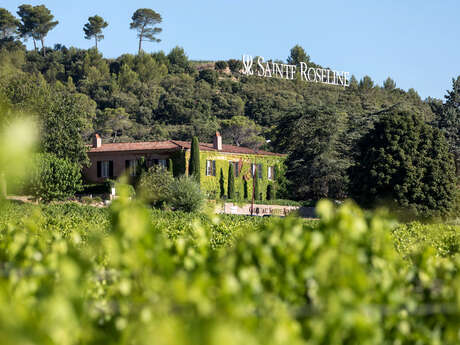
(97, 141)
(217, 142)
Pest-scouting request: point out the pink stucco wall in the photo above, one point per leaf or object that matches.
(118, 158)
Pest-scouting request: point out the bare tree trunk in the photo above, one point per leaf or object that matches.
(95, 39)
(43, 45)
(35, 44)
(140, 39)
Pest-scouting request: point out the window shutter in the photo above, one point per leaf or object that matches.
(99, 168)
(259, 170)
(111, 169)
(213, 168)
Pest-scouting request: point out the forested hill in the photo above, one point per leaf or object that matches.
(166, 96)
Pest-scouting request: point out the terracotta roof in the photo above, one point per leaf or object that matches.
(174, 145)
(138, 146)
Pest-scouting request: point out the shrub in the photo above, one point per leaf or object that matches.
(125, 189)
(184, 194)
(235, 65)
(209, 76)
(221, 65)
(153, 185)
(54, 178)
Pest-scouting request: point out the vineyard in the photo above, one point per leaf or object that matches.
(74, 274)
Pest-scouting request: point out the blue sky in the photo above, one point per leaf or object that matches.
(415, 42)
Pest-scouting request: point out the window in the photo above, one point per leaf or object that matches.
(236, 169)
(271, 173)
(259, 170)
(210, 168)
(105, 169)
(162, 163)
(131, 167)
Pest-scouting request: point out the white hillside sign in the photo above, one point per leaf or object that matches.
(279, 70)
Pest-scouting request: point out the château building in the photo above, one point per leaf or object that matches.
(112, 160)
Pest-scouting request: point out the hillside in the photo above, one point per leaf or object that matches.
(158, 96)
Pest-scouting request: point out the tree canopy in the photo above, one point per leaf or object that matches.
(144, 21)
(93, 29)
(8, 24)
(404, 162)
(37, 21)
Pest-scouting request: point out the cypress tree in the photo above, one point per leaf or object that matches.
(245, 189)
(256, 186)
(170, 166)
(231, 182)
(194, 163)
(222, 184)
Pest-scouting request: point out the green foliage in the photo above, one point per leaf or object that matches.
(179, 163)
(315, 138)
(208, 75)
(231, 182)
(448, 121)
(37, 21)
(241, 131)
(94, 28)
(221, 65)
(153, 186)
(405, 162)
(8, 24)
(63, 123)
(144, 21)
(256, 181)
(54, 178)
(222, 184)
(83, 261)
(235, 65)
(178, 61)
(297, 56)
(194, 162)
(270, 192)
(184, 194)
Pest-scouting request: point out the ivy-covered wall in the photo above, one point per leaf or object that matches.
(210, 184)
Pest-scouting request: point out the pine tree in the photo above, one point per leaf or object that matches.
(94, 28)
(144, 21)
(222, 184)
(231, 182)
(194, 163)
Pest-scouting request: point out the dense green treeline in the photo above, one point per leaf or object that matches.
(160, 96)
